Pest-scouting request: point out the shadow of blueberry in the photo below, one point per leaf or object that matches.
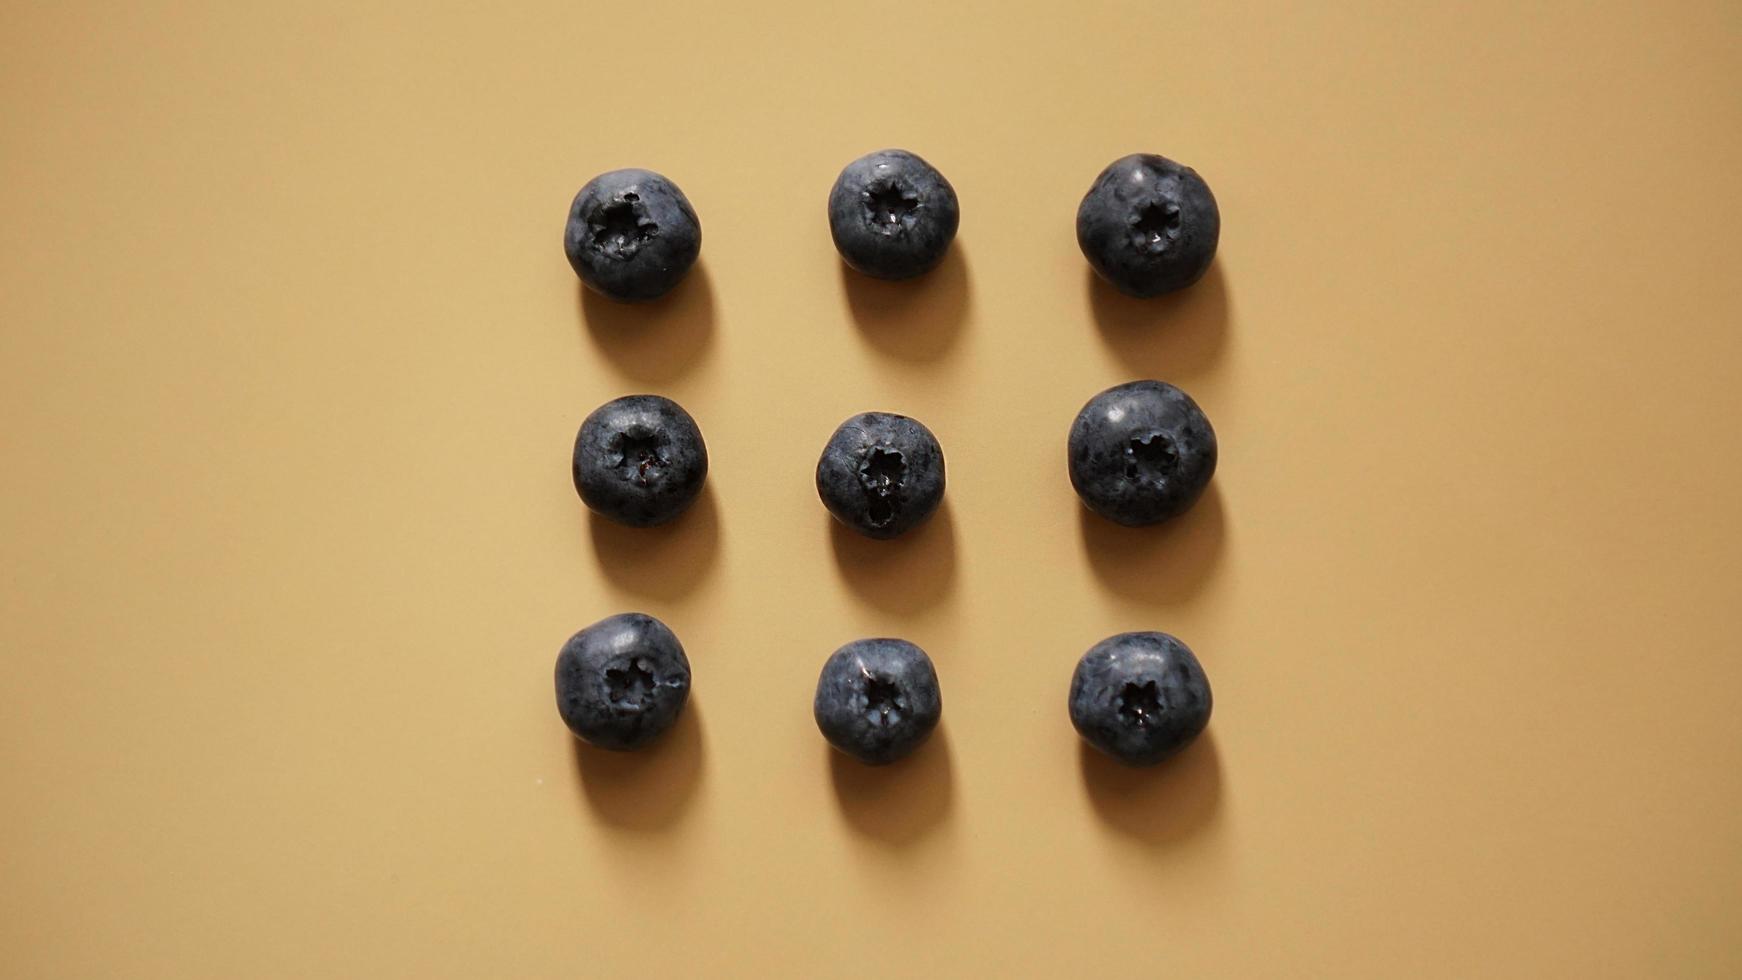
(664, 562)
(904, 575)
(1174, 336)
(1156, 804)
(1163, 563)
(912, 319)
(657, 340)
(647, 789)
(900, 802)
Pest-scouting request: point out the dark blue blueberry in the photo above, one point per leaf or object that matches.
(1141, 453)
(640, 460)
(621, 682)
(892, 214)
(1140, 697)
(877, 700)
(631, 234)
(881, 474)
(1149, 225)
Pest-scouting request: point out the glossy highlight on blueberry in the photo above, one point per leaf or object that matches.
(1140, 697)
(1149, 225)
(639, 460)
(1140, 453)
(881, 474)
(622, 682)
(631, 234)
(892, 214)
(878, 699)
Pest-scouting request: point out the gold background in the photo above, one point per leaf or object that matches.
(293, 362)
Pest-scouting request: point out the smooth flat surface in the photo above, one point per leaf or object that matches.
(291, 362)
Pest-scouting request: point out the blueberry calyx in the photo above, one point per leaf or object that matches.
(881, 476)
(1154, 226)
(622, 227)
(890, 208)
(1140, 704)
(641, 448)
(883, 701)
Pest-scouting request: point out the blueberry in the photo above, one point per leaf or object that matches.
(1141, 453)
(881, 474)
(621, 682)
(878, 699)
(640, 460)
(1149, 225)
(631, 234)
(1139, 697)
(892, 214)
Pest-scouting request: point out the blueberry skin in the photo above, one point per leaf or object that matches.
(878, 699)
(881, 474)
(892, 215)
(631, 234)
(1141, 452)
(1149, 225)
(640, 460)
(1139, 697)
(621, 682)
